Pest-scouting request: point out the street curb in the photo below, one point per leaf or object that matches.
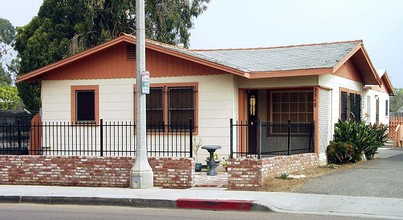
(58, 200)
(204, 204)
(214, 204)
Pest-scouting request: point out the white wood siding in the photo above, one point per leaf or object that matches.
(217, 96)
(325, 106)
(335, 83)
(115, 99)
(369, 109)
(218, 102)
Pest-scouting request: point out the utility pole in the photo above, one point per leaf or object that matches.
(141, 174)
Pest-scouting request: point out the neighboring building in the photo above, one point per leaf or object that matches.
(376, 100)
(314, 83)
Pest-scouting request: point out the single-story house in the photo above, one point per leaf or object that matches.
(376, 100)
(315, 84)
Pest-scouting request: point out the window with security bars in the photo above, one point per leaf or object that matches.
(181, 106)
(344, 106)
(155, 107)
(294, 106)
(350, 106)
(355, 107)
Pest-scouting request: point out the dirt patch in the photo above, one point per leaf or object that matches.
(278, 184)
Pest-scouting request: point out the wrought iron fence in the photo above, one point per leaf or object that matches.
(108, 138)
(7, 117)
(262, 139)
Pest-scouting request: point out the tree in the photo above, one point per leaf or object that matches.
(8, 97)
(8, 63)
(7, 31)
(396, 101)
(8, 66)
(63, 28)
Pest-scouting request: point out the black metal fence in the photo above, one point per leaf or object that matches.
(12, 132)
(7, 117)
(262, 139)
(108, 138)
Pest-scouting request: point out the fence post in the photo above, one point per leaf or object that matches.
(259, 139)
(289, 137)
(191, 136)
(19, 134)
(231, 141)
(101, 136)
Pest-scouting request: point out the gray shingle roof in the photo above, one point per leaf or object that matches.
(298, 57)
(282, 58)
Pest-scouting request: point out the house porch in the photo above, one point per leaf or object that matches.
(275, 122)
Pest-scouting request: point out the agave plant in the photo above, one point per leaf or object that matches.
(364, 139)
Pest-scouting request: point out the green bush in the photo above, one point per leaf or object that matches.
(378, 138)
(363, 139)
(340, 152)
(8, 97)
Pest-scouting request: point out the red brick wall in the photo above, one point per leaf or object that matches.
(174, 173)
(91, 171)
(249, 173)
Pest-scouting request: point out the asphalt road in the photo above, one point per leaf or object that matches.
(59, 212)
(381, 177)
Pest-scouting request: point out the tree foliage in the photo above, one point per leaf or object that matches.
(8, 63)
(63, 28)
(7, 31)
(396, 102)
(8, 97)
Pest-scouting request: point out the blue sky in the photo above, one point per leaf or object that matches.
(264, 23)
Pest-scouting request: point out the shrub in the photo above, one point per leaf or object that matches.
(340, 152)
(378, 138)
(361, 137)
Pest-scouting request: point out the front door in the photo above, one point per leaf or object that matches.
(252, 120)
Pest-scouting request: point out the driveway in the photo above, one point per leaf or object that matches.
(381, 177)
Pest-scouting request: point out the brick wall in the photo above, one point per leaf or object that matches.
(174, 173)
(249, 173)
(91, 171)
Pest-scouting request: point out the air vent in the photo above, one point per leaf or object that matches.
(131, 52)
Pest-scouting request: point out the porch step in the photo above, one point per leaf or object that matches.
(203, 180)
(390, 143)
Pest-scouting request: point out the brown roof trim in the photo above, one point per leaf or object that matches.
(289, 73)
(129, 39)
(162, 47)
(388, 84)
(373, 70)
(351, 53)
(175, 53)
(40, 71)
(347, 57)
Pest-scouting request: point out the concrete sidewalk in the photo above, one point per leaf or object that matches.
(207, 198)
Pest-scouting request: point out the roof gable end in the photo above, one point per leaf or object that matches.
(153, 45)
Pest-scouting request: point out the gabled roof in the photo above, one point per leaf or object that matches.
(296, 60)
(157, 46)
(386, 81)
(315, 56)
